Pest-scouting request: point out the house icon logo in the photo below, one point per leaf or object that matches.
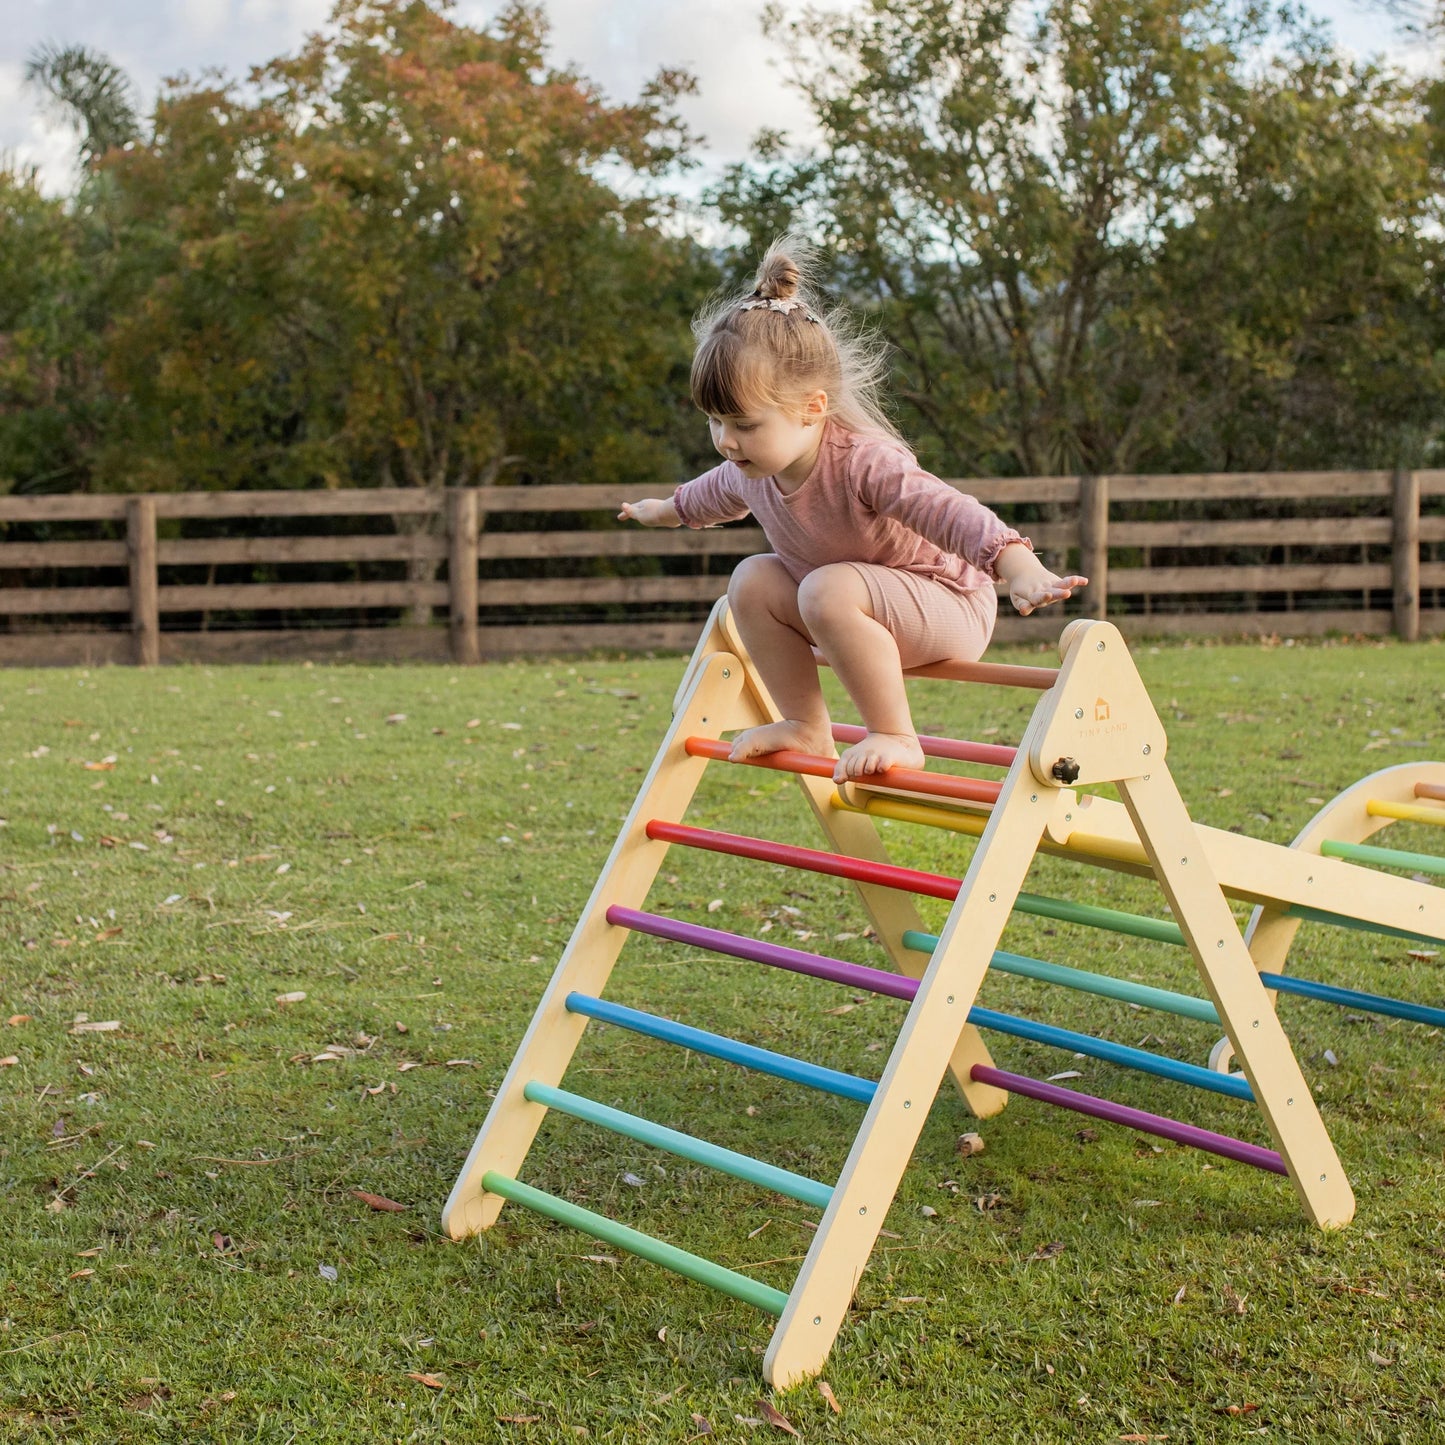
(1101, 710)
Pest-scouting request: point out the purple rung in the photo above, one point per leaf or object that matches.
(835, 970)
(1165, 1128)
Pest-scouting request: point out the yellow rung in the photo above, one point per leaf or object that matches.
(1092, 844)
(1409, 812)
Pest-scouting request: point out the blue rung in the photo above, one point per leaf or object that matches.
(1352, 998)
(717, 1046)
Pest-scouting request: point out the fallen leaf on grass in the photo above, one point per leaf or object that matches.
(9, 1061)
(380, 1202)
(1379, 1359)
(518, 1419)
(1139, 1439)
(1245, 1409)
(1051, 1250)
(430, 1381)
(1235, 1302)
(15, 1020)
(969, 1144)
(826, 1391)
(702, 1424)
(776, 1420)
(285, 998)
(98, 1027)
(79, 1273)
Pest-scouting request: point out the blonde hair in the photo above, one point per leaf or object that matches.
(751, 354)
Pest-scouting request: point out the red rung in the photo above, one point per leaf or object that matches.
(1431, 790)
(859, 870)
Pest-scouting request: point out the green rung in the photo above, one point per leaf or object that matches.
(686, 1146)
(1091, 915)
(1166, 1000)
(598, 1226)
(1383, 857)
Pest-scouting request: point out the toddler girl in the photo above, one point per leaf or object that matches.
(876, 562)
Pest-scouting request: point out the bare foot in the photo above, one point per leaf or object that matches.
(800, 737)
(878, 752)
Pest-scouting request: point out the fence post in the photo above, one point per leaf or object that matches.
(140, 552)
(462, 512)
(1094, 542)
(1405, 553)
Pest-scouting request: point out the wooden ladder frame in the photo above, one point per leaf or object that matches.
(1095, 725)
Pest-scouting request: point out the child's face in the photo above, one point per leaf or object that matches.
(768, 442)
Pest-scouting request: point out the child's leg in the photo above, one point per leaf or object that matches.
(837, 609)
(764, 602)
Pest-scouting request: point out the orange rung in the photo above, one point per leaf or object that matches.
(914, 780)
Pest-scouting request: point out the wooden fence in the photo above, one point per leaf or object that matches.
(213, 576)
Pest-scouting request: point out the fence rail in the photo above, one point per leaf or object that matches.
(543, 569)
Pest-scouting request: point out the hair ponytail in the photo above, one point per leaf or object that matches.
(780, 343)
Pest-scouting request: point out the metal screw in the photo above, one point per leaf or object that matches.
(863, 1209)
(727, 672)
(950, 998)
(1078, 712)
(1220, 944)
(1256, 1023)
(1146, 750)
(1033, 797)
(1098, 647)
(993, 897)
(908, 1103)
(1184, 862)
(817, 1319)
(1289, 1101)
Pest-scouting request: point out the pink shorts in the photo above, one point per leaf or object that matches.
(930, 622)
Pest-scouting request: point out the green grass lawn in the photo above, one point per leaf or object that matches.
(402, 852)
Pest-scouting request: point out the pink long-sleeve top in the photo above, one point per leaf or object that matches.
(866, 500)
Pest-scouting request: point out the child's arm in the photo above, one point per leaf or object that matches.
(1031, 584)
(652, 512)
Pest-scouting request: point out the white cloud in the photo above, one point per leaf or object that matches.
(617, 44)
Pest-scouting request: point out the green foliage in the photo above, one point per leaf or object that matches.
(1153, 235)
(409, 255)
(53, 402)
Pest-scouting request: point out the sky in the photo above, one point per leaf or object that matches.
(617, 44)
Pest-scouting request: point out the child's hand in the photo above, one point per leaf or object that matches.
(1031, 584)
(651, 512)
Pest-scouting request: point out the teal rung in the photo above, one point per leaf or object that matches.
(598, 1226)
(685, 1146)
(1163, 999)
(1383, 857)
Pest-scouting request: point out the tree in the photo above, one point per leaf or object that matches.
(53, 400)
(90, 90)
(1035, 211)
(407, 251)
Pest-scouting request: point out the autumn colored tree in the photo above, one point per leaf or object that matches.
(404, 256)
(1118, 237)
